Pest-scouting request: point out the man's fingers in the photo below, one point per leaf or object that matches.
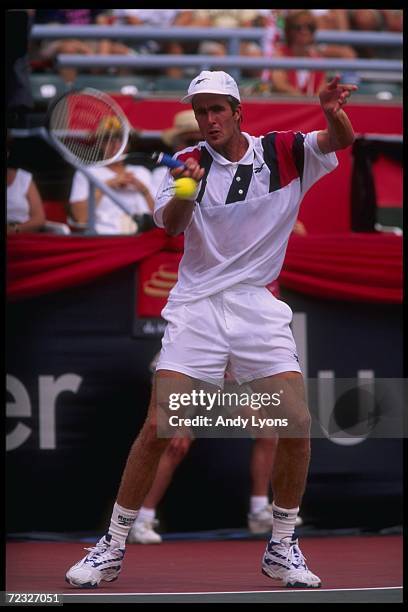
(334, 82)
(348, 88)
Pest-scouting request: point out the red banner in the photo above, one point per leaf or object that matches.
(357, 267)
(157, 275)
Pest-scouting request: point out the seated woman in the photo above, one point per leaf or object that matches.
(25, 211)
(131, 183)
(300, 28)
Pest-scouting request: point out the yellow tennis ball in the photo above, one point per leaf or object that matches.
(185, 187)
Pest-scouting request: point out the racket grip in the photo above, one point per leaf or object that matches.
(167, 160)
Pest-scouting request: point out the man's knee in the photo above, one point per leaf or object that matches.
(303, 422)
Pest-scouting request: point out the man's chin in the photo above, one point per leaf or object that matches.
(215, 139)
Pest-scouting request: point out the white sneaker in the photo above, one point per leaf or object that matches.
(142, 532)
(103, 562)
(284, 561)
(261, 522)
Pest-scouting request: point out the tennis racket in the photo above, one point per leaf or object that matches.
(89, 128)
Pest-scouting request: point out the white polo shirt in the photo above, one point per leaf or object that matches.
(245, 211)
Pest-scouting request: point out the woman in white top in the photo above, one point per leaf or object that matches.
(133, 185)
(25, 212)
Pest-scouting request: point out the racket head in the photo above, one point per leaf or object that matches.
(88, 127)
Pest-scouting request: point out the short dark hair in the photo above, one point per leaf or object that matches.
(233, 102)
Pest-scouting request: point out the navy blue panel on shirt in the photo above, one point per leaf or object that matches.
(240, 183)
(298, 151)
(271, 160)
(205, 162)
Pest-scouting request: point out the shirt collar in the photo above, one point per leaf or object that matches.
(247, 158)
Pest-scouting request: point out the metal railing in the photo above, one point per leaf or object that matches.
(232, 36)
(348, 37)
(205, 62)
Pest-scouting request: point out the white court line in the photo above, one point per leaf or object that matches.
(282, 590)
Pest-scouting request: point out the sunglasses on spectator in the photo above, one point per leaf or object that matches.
(304, 26)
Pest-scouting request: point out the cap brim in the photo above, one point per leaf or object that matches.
(189, 97)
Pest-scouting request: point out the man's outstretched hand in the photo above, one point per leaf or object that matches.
(334, 96)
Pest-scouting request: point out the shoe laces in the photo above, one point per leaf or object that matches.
(102, 550)
(295, 555)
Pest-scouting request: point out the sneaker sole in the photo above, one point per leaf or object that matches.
(292, 585)
(90, 585)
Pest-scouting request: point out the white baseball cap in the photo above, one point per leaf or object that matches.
(216, 82)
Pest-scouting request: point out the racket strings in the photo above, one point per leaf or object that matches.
(88, 128)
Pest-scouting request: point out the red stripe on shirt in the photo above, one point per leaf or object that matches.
(195, 154)
(286, 162)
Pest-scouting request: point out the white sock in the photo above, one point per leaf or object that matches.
(146, 514)
(121, 521)
(283, 522)
(258, 503)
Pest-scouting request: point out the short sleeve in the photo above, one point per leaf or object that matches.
(316, 163)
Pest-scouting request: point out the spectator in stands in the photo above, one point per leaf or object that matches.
(331, 19)
(49, 50)
(375, 20)
(300, 27)
(156, 18)
(393, 20)
(231, 18)
(132, 185)
(25, 211)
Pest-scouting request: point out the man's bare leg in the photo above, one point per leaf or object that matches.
(169, 461)
(145, 454)
(261, 464)
(262, 459)
(292, 456)
(104, 560)
(283, 559)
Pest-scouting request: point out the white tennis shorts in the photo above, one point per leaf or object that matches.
(244, 327)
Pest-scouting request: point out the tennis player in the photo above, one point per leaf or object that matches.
(236, 226)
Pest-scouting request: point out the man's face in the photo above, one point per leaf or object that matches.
(215, 117)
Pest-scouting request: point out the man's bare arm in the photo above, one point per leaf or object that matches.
(178, 211)
(339, 133)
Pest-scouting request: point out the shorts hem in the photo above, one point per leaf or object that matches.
(165, 365)
(284, 367)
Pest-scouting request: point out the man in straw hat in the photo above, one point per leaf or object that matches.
(184, 133)
(237, 225)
